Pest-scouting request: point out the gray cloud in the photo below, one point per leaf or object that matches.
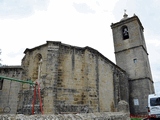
(148, 9)
(83, 8)
(21, 8)
(14, 54)
(157, 88)
(154, 60)
(97, 3)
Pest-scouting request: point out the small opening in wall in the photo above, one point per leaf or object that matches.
(37, 68)
(125, 32)
(135, 60)
(1, 83)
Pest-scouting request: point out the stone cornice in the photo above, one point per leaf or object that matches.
(123, 22)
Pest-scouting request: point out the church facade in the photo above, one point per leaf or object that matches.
(75, 79)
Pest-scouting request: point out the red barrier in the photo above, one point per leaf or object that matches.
(138, 116)
(34, 99)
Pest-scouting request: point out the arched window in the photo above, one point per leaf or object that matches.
(37, 67)
(125, 32)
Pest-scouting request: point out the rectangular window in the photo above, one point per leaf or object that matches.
(155, 101)
(135, 60)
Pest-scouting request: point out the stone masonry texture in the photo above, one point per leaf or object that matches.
(9, 92)
(132, 56)
(83, 116)
(80, 79)
(72, 80)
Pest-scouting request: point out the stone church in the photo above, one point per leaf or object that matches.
(75, 79)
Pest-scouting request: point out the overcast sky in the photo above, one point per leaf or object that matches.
(29, 23)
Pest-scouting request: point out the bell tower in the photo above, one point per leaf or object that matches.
(132, 56)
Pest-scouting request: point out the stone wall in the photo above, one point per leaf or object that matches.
(88, 116)
(137, 103)
(10, 89)
(46, 73)
(72, 80)
(71, 83)
(87, 80)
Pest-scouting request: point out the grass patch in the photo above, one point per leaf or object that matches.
(136, 119)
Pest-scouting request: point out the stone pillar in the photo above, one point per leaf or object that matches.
(123, 106)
